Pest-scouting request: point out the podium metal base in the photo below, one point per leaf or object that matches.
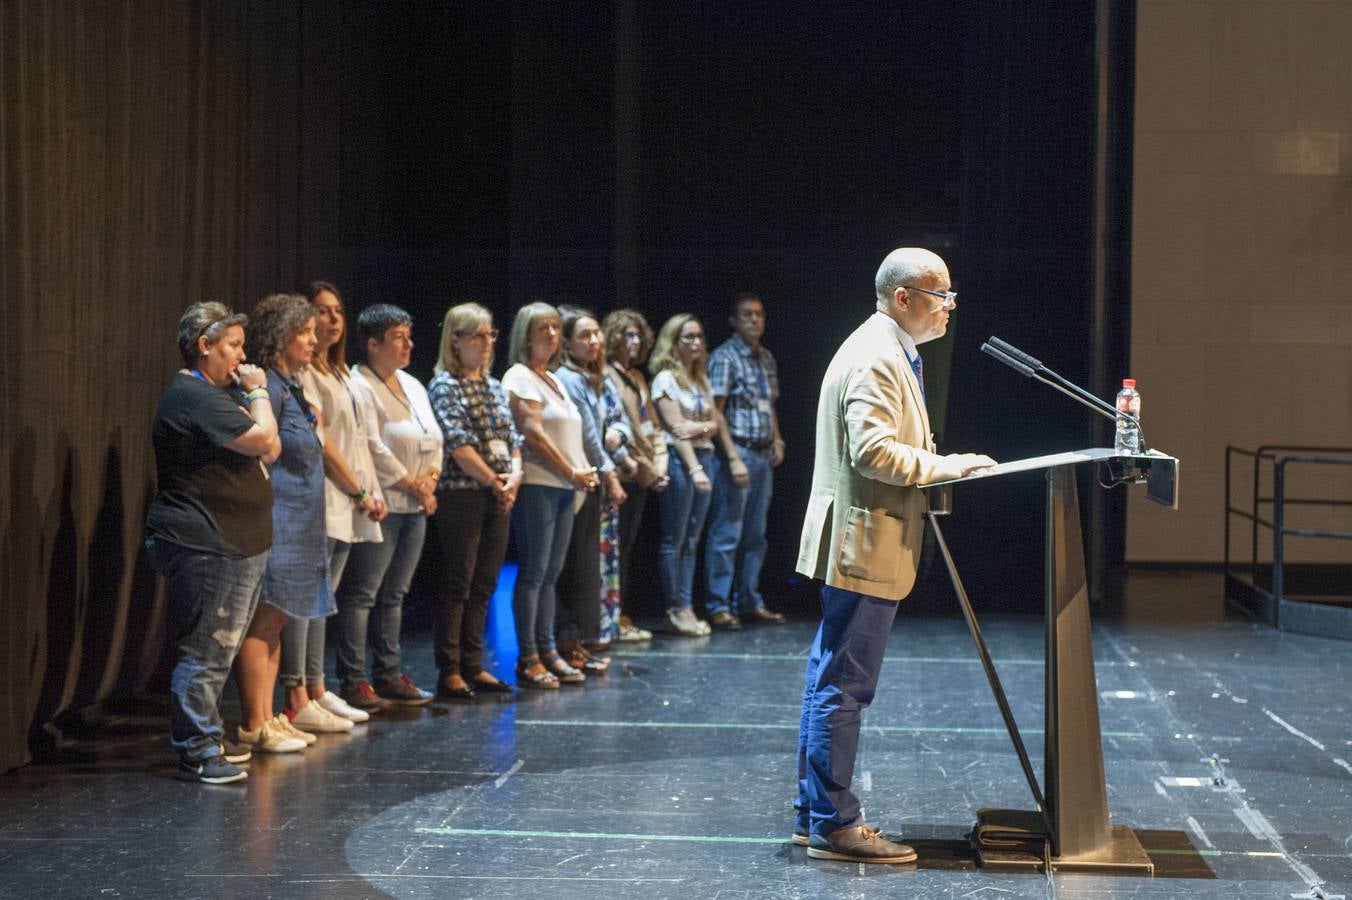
(1026, 853)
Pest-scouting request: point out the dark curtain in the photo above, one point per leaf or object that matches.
(154, 154)
(161, 152)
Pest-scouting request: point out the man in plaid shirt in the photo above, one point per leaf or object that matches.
(745, 384)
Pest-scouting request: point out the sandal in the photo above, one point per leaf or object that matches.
(566, 673)
(531, 673)
(582, 658)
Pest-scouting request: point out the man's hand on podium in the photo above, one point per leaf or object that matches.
(972, 462)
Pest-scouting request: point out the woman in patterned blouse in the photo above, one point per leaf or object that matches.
(480, 475)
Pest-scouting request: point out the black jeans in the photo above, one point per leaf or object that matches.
(631, 517)
(471, 537)
(579, 584)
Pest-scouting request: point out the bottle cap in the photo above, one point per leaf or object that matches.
(1128, 382)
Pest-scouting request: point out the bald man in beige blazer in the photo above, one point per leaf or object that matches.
(862, 536)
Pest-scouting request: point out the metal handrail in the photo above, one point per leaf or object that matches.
(1280, 456)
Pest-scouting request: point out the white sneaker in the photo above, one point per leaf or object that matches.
(334, 704)
(284, 723)
(313, 717)
(270, 738)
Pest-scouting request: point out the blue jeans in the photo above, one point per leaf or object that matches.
(841, 677)
(376, 579)
(736, 545)
(542, 524)
(681, 511)
(211, 600)
(303, 639)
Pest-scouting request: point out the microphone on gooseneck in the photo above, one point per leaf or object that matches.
(991, 349)
(1014, 352)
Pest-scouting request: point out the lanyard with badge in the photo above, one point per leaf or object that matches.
(499, 455)
(763, 402)
(646, 422)
(429, 442)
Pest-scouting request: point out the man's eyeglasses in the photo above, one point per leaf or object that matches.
(949, 298)
(489, 335)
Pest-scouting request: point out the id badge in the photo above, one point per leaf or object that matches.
(497, 448)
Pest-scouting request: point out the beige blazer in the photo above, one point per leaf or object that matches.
(865, 516)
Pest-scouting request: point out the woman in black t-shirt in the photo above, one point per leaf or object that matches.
(209, 527)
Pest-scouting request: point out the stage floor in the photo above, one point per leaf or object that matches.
(1226, 745)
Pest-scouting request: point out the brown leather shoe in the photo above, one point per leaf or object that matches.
(860, 843)
(725, 620)
(765, 614)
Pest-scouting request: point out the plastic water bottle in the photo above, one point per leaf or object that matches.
(1128, 439)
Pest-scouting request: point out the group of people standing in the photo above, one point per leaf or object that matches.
(293, 487)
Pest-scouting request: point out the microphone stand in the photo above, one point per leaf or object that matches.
(1031, 367)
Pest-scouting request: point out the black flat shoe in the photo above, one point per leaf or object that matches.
(447, 692)
(492, 687)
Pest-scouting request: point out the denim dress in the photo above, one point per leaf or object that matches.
(297, 577)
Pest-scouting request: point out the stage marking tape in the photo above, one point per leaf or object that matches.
(752, 726)
(730, 839)
(600, 835)
(790, 657)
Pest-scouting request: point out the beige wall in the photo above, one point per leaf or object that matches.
(1242, 252)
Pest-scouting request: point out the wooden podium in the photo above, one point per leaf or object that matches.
(1069, 829)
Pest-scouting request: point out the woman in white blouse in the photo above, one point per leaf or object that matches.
(408, 464)
(691, 423)
(556, 469)
(353, 505)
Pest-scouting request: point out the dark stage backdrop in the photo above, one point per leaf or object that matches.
(159, 153)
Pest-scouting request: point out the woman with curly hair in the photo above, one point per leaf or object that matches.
(692, 422)
(296, 581)
(628, 341)
(210, 525)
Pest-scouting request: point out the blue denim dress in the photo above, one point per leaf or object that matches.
(297, 577)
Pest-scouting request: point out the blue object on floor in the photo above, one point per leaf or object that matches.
(500, 629)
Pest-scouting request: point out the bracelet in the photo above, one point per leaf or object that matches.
(257, 394)
(696, 469)
(359, 496)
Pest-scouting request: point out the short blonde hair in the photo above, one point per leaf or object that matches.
(664, 353)
(462, 317)
(518, 349)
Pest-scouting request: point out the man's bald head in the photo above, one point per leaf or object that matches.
(905, 266)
